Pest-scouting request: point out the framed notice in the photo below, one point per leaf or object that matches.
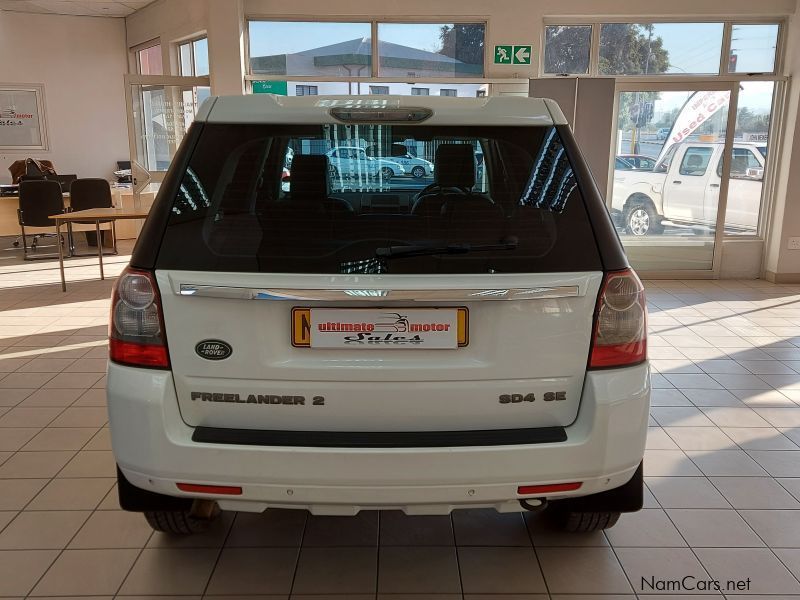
(22, 117)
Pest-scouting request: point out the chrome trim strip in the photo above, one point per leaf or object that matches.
(378, 295)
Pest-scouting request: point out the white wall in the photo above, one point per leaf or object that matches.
(81, 62)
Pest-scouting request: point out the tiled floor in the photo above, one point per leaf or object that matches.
(722, 469)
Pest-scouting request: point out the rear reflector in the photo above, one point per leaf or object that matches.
(532, 490)
(141, 355)
(222, 490)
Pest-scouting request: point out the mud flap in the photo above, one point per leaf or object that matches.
(134, 499)
(626, 498)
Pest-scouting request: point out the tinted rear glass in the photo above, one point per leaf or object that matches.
(378, 199)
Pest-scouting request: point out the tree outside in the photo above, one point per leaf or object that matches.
(464, 42)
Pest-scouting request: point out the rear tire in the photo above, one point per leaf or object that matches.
(586, 522)
(387, 173)
(178, 522)
(418, 172)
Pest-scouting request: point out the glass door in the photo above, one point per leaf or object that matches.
(669, 176)
(160, 111)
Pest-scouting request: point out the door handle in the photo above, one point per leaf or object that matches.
(677, 182)
(713, 185)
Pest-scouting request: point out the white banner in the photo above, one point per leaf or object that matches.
(20, 121)
(384, 328)
(700, 107)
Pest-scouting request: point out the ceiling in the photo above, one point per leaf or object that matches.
(89, 8)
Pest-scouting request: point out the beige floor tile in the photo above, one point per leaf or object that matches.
(429, 570)
(25, 380)
(89, 365)
(91, 464)
(781, 417)
(730, 416)
(14, 438)
(778, 528)
(45, 365)
(759, 438)
(81, 416)
(28, 417)
(778, 463)
(42, 530)
(669, 463)
(487, 527)
(100, 441)
(764, 398)
(13, 397)
(92, 397)
(51, 397)
(6, 516)
(113, 529)
(686, 492)
(582, 570)
(399, 529)
(657, 439)
(73, 380)
(712, 398)
(758, 568)
(668, 398)
(70, 494)
(500, 570)
(34, 465)
(361, 530)
(274, 527)
(21, 569)
(700, 438)
(725, 463)
(649, 528)
(172, 572)
(61, 438)
(16, 493)
(790, 557)
(680, 416)
(717, 528)
(646, 567)
(86, 573)
(755, 493)
(336, 570)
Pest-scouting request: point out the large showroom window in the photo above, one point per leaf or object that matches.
(693, 130)
(310, 48)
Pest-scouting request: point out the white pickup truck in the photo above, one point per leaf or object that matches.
(683, 188)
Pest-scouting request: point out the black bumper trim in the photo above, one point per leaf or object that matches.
(379, 439)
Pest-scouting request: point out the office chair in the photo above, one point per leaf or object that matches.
(85, 194)
(37, 201)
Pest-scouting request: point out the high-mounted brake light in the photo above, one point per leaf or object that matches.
(383, 114)
(136, 328)
(620, 330)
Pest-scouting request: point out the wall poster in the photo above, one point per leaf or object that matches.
(22, 118)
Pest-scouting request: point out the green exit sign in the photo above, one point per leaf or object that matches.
(271, 87)
(513, 55)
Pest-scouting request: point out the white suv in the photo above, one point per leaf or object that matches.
(477, 343)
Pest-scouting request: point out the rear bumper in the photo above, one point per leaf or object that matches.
(154, 449)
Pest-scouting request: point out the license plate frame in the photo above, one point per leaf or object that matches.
(302, 323)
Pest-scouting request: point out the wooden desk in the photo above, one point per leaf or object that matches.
(98, 215)
(9, 224)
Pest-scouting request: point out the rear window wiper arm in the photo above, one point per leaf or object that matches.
(430, 250)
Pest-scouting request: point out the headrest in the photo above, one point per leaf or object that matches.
(455, 165)
(310, 176)
(695, 160)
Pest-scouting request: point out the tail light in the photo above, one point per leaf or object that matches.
(136, 328)
(620, 330)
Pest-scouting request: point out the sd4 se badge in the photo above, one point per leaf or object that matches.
(213, 349)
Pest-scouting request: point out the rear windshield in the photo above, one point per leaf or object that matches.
(406, 199)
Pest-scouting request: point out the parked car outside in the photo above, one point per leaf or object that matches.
(353, 162)
(683, 188)
(662, 133)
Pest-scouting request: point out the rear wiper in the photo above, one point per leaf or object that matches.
(511, 243)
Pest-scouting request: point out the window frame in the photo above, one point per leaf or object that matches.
(136, 57)
(190, 42)
(722, 72)
(374, 73)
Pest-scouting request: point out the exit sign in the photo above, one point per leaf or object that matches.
(280, 88)
(513, 55)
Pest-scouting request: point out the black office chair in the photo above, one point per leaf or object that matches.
(37, 201)
(90, 193)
